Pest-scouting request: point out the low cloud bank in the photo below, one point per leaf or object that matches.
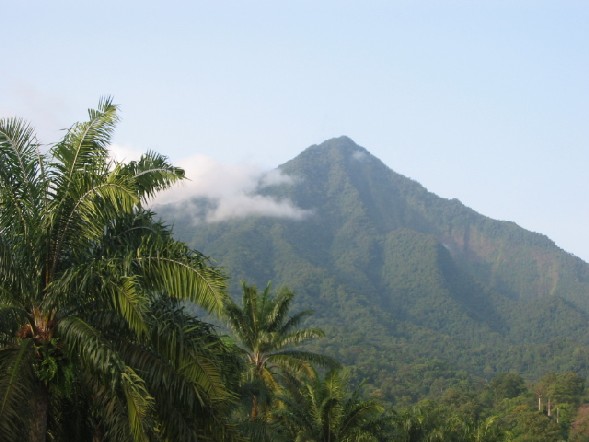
(231, 188)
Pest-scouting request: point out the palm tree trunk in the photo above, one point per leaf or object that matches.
(98, 435)
(39, 408)
(254, 413)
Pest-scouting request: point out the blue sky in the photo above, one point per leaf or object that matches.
(484, 101)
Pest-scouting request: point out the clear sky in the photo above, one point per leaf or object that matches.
(484, 101)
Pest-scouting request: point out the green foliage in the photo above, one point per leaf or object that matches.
(529, 425)
(324, 409)
(88, 296)
(268, 337)
(507, 386)
(505, 409)
(565, 387)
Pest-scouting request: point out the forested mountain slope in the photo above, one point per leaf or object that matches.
(413, 290)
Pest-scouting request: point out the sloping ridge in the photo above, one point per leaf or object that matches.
(398, 275)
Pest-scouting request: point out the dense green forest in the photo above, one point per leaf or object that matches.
(392, 315)
(415, 293)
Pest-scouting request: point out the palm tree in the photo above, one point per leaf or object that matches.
(267, 336)
(421, 422)
(87, 277)
(489, 430)
(324, 410)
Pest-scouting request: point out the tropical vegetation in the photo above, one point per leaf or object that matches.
(325, 409)
(93, 340)
(269, 338)
(415, 292)
(101, 307)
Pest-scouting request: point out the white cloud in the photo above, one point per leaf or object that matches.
(124, 154)
(232, 187)
(275, 178)
(245, 205)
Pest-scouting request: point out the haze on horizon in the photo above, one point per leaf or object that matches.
(483, 101)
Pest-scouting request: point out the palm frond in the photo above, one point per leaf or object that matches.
(96, 283)
(253, 314)
(269, 379)
(293, 322)
(184, 278)
(139, 404)
(265, 330)
(76, 286)
(132, 303)
(16, 386)
(325, 409)
(101, 361)
(279, 309)
(237, 321)
(106, 412)
(299, 359)
(85, 146)
(186, 371)
(298, 337)
(21, 181)
(84, 343)
(105, 200)
(359, 415)
(81, 218)
(18, 271)
(193, 349)
(177, 402)
(12, 317)
(152, 173)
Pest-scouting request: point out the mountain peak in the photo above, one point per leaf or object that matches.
(341, 140)
(329, 152)
(341, 143)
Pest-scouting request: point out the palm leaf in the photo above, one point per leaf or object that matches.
(84, 147)
(18, 271)
(265, 330)
(299, 359)
(107, 412)
(84, 343)
(176, 402)
(152, 173)
(293, 322)
(16, 385)
(184, 278)
(238, 322)
(12, 318)
(21, 183)
(192, 348)
(98, 357)
(81, 219)
(139, 404)
(184, 371)
(298, 337)
(279, 308)
(131, 302)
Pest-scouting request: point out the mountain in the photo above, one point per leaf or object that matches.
(414, 291)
